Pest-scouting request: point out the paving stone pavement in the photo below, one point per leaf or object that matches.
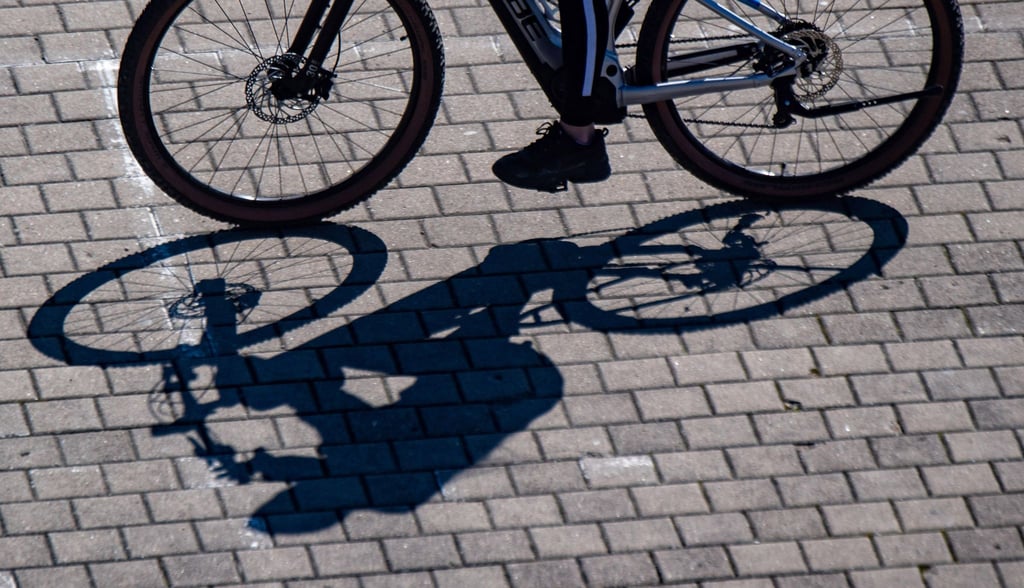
(870, 438)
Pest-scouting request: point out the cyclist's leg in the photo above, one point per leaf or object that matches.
(572, 149)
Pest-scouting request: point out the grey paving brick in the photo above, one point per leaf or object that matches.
(598, 505)
(960, 480)
(726, 431)
(744, 397)
(484, 576)
(1012, 573)
(564, 572)
(767, 558)
(495, 547)
(980, 446)
(61, 576)
(524, 511)
(711, 367)
(935, 417)
(814, 489)
(962, 575)
(200, 569)
(772, 460)
(780, 363)
(789, 524)
(671, 403)
(278, 563)
(912, 549)
(851, 454)
(909, 450)
(934, 513)
(995, 511)
(609, 472)
(36, 517)
(140, 476)
(568, 541)
(601, 409)
(548, 477)
(643, 535)
(851, 359)
(701, 563)
(863, 327)
(67, 482)
(637, 374)
(1011, 475)
(817, 393)
(742, 495)
(813, 581)
(452, 517)
(399, 580)
(96, 545)
(646, 438)
(567, 443)
(714, 529)
(986, 544)
(870, 421)
(110, 511)
(932, 323)
(58, 416)
(791, 427)
(889, 388)
(125, 574)
(956, 384)
(415, 553)
(157, 540)
(692, 466)
(619, 570)
(98, 447)
(669, 499)
(348, 558)
(887, 484)
(909, 577)
(856, 519)
(840, 554)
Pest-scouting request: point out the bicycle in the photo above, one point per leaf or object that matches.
(259, 112)
(255, 325)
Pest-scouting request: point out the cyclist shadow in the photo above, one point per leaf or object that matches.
(397, 405)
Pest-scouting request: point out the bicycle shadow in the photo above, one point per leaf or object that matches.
(385, 411)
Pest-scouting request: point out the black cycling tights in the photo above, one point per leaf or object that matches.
(584, 40)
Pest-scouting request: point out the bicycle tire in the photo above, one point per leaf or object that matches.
(651, 280)
(149, 306)
(872, 51)
(197, 111)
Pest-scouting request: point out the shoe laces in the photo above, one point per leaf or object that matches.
(551, 133)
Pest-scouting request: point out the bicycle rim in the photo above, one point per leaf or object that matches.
(862, 50)
(199, 112)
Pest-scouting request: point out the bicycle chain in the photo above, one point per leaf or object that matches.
(697, 120)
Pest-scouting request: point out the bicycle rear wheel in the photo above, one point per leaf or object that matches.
(861, 51)
(198, 111)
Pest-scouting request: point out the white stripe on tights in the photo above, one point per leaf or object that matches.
(588, 76)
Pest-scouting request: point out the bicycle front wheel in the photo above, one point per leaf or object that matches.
(201, 114)
(893, 65)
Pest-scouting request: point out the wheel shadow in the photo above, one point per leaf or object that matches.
(329, 405)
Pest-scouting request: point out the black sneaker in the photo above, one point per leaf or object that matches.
(554, 159)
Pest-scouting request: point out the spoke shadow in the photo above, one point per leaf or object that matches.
(384, 408)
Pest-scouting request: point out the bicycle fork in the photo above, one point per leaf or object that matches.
(302, 75)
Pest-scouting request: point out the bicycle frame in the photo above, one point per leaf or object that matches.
(539, 43)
